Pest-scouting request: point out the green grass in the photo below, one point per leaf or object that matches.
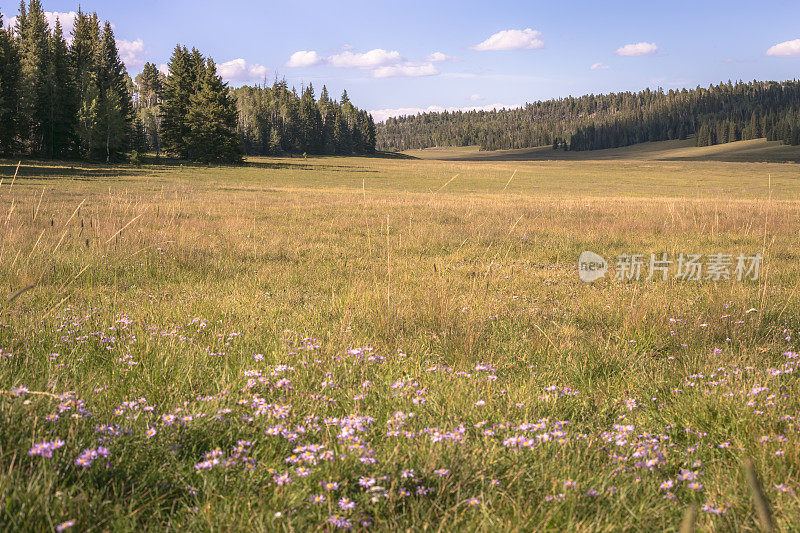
(158, 286)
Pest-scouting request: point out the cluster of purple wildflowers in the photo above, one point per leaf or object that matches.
(46, 448)
(89, 455)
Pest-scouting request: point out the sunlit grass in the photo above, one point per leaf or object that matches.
(397, 316)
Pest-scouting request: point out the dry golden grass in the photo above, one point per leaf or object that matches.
(454, 263)
(752, 151)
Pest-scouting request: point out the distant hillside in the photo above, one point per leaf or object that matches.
(715, 115)
(753, 151)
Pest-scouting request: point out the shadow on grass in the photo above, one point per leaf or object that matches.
(89, 171)
(65, 170)
(393, 155)
(281, 162)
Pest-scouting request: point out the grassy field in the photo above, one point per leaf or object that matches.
(387, 344)
(753, 151)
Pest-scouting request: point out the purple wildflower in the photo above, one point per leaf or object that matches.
(46, 448)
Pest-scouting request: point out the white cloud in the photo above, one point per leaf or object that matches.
(406, 70)
(599, 66)
(475, 97)
(438, 57)
(372, 59)
(132, 53)
(379, 115)
(526, 39)
(67, 20)
(785, 49)
(382, 63)
(305, 58)
(239, 70)
(346, 59)
(637, 49)
(164, 69)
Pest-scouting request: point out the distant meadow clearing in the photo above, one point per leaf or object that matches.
(389, 344)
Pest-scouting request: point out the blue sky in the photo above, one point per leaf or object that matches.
(412, 55)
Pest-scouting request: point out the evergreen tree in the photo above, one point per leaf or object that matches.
(755, 126)
(212, 121)
(114, 109)
(327, 109)
(138, 137)
(197, 68)
(310, 123)
(9, 90)
(61, 103)
(731, 132)
(341, 135)
(370, 134)
(152, 125)
(608, 120)
(275, 142)
(148, 87)
(61, 100)
(83, 52)
(178, 90)
(33, 45)
(703, 135)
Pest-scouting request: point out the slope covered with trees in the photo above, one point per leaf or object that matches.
(717, 114)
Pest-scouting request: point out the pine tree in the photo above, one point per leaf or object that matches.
(60, 99)
(327, 111)
(290, 120)
(310, 125)
(370, 136)
(704, 135)
(83, 52)
(9, 90)
(32, 35)
(178, 90)
(212, 121)
(138, 137)
(197, 68)
(731, 131)
(152, 125)
(149, 93)
(148, 86)
(755, 125)
(341, 135)
(114, 110)
(274, 146)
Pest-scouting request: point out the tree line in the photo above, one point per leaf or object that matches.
(723, 113)
(76, 101)
(59, 100)
(266, 120)
(276, 119)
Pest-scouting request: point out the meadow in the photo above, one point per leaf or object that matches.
(395, 344)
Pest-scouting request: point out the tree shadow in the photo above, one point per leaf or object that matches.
(49, 170)
(88, 171)
(393, 155)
